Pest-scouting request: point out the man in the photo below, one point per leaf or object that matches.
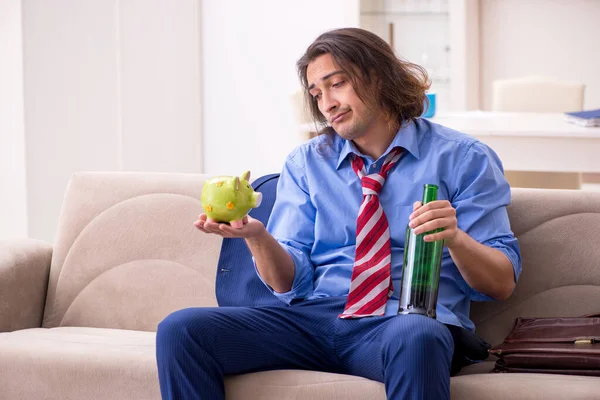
(307, 254)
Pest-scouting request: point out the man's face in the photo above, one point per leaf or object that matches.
(336, 98)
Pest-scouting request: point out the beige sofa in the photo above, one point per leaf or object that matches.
(78, 318)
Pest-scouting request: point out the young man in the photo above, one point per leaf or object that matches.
(334, 242)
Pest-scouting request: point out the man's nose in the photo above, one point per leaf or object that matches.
(329, 103)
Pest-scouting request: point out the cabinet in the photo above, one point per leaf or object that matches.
(440, 35)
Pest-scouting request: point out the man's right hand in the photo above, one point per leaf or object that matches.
(251, 227)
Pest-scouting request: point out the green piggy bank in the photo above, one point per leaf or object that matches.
(229, 198)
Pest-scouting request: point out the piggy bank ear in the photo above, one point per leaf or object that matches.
(237, 183)
(246, 176)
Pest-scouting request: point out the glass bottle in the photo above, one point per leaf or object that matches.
(421, 268)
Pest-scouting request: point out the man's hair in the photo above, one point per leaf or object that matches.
(365, 57)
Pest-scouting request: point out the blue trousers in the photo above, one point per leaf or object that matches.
(197, 347)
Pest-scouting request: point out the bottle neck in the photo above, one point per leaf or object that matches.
(429, 193)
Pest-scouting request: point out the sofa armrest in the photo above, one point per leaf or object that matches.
(24, 272)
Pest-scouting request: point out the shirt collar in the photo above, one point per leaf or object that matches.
(406, 138)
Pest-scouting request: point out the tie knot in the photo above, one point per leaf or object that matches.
(372, 184)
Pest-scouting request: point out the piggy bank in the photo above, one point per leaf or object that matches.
(229, 198)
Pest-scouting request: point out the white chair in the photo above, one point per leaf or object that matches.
(541, 95)
(537, 94)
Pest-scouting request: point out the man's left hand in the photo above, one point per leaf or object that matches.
(435, 215)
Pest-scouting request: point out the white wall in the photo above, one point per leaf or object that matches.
(13, 198)
(135, 84)
(117, 85)
(160, 85)
(109, 85)
(250, 54)
(540, 37)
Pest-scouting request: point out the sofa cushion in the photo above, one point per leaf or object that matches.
(524, 387)
(127, 253)
(288, 384)
(78, 363)
(69, 363)
(296, 384)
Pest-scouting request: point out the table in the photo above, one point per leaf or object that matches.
(531, 141)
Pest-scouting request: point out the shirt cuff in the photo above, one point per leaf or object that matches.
(301, 278)
(512, 257)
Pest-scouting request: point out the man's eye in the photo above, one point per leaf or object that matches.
(317, 96)
(338, 84)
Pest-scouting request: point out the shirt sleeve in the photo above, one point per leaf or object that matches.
(292, 224)
(481, 196)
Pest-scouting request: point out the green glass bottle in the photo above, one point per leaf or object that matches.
(421, 268)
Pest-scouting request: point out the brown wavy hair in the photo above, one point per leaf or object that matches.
(364, 56)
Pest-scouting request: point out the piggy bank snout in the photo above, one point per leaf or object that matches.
(258, 199)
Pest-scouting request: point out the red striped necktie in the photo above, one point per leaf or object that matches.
(371, 282)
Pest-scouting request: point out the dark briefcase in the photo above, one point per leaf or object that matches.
(569, 345)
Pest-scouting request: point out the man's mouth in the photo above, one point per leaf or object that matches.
(339, 116)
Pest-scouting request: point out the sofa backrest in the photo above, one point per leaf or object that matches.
(559, 236)
(126, 252)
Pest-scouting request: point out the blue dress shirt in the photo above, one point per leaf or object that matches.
(319, 195)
